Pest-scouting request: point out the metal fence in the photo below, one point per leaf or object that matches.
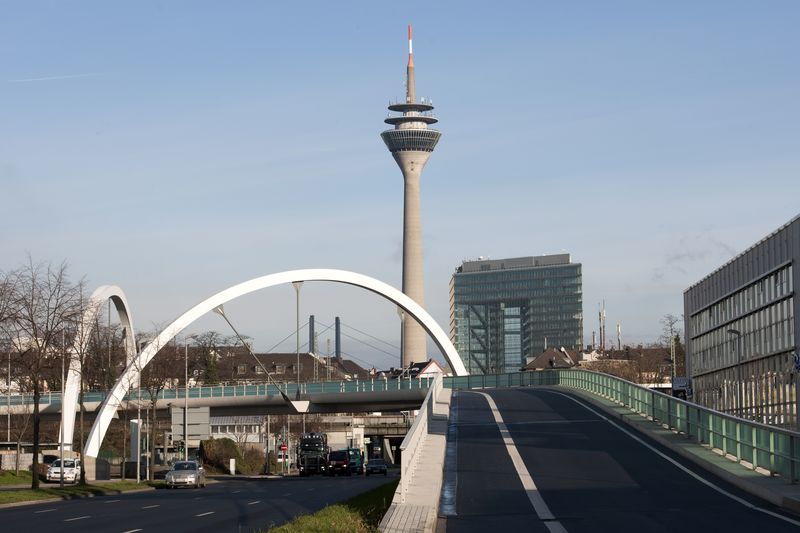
(256, 389)
(752, 444)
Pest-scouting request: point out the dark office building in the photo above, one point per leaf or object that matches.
(502, 310)
(740, 330)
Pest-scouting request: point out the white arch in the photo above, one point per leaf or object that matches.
(131, 374)
(80, 344)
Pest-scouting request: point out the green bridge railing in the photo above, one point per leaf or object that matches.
(752, 444)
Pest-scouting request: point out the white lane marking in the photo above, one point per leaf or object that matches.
(44, 511)
(205, 514)
(151, 506)
(535, 497)
(698, 477)
(236, 492)
(132, 531)
(77, 518)
(111, 501)
(253, 503)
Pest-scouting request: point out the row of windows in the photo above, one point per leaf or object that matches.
(565, 271)
(237, 428)
(775, 286)
(411, 139)
(766, 331)
(279, 369)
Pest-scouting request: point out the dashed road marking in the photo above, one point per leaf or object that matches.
(44, 511)
(111, 501)
(132, 531)
(236, 492)
(151, 506)
(76, 518)
(205, 514)
(253, 503)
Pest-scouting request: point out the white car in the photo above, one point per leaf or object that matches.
(72, 470)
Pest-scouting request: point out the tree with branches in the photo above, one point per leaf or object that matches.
(43, 309)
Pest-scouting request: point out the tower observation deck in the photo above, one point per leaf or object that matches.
(411, 143)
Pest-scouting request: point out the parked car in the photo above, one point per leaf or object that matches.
(338, 463)
(376, 466)
(187, 474)
(72, 470)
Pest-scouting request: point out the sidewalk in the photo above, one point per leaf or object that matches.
(418, 513)
(772, 489)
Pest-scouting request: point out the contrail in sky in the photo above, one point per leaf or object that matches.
(51, 78)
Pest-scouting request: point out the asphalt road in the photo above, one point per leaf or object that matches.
(236, 505)
(589, 475)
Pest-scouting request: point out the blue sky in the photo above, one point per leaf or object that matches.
(178, 148)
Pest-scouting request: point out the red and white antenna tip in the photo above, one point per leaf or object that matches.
(410, 50)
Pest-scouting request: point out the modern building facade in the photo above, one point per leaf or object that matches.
(504, 310)
(741, 322)
(411, 143)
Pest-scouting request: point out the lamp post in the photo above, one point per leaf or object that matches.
(8, 400)
(297, 285)
(738, 349)
(185, 398)
(61, 429)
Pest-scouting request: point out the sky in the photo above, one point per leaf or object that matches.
(178, 148)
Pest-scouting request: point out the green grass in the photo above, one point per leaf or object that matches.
(50, 491)
(360, 514)
(8, 477)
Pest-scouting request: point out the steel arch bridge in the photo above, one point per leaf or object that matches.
(138, 361)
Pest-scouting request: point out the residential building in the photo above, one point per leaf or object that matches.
(740, 331)
(505, 310)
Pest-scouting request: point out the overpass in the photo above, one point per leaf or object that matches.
(261, 398)
(573, 450)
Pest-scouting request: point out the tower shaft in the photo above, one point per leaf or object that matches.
(411, 143)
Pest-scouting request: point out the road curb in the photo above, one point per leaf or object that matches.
(72, 497)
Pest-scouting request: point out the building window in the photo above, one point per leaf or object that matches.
(259, 369)
(280, 369)
(241, 369)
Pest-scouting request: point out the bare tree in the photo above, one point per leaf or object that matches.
(43, 306)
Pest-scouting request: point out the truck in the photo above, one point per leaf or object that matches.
(312, 454)
(356, 460)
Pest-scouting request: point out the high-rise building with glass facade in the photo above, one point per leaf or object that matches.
(741, 322)
(504, 310)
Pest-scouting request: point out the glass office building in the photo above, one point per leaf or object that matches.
(504, 310)
(740, 323)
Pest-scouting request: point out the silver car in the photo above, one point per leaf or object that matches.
(187, 474)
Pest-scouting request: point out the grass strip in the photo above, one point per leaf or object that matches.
(8, 477)
(359, 514)
(73, 491)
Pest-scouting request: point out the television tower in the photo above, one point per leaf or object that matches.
(411, 143)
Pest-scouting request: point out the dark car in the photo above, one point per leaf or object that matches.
(376, 466)
(338, 463)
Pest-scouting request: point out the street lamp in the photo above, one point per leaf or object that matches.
(297, 285)
(186, 397)
(8, 400)
(61, 429)
(738, 349)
